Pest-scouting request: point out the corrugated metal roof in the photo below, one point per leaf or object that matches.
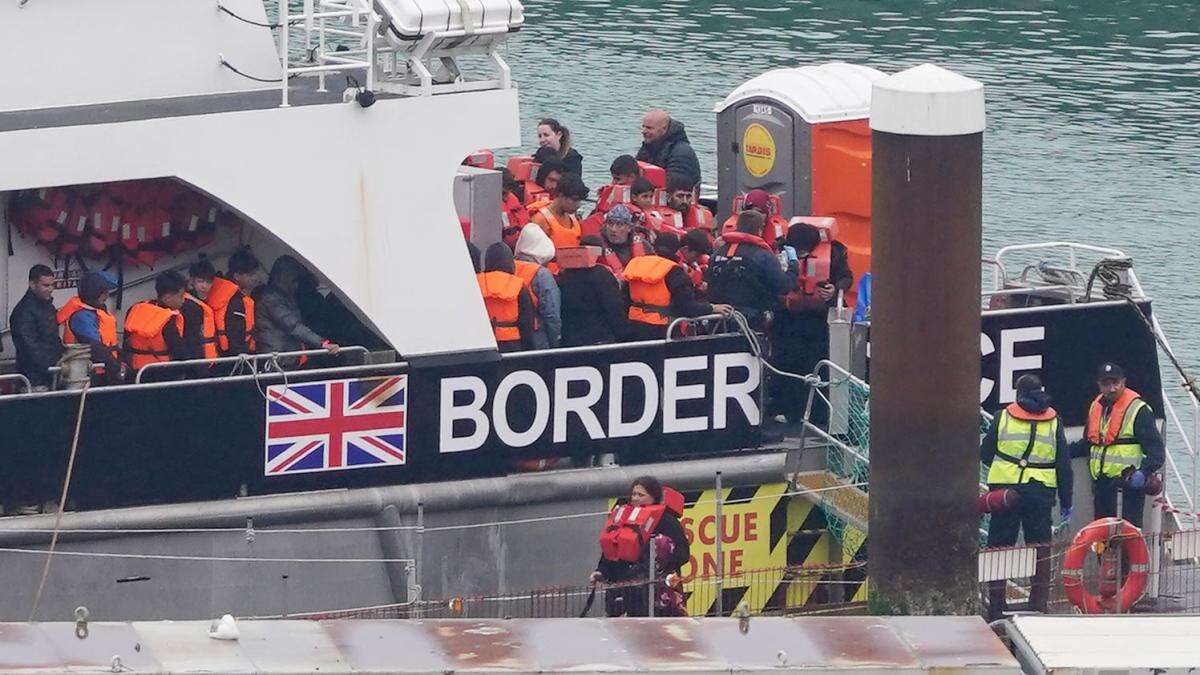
(829, 644)
(826, 93)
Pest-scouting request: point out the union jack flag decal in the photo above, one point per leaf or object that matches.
(336, 425)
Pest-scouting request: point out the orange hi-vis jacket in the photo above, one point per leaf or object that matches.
(501, 291)
(650, 299)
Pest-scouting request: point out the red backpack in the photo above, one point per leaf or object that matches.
(629, 527)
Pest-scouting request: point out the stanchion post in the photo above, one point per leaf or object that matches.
(720, 500)
(650, 587)
(418, 558)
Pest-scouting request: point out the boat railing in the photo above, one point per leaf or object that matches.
(17, 377)
(1004, 260)
(719, 319)
(250, 361)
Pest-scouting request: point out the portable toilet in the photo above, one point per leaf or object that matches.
(803, 134)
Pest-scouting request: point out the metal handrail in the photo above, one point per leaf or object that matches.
(252, 359)
(19, 378)
(1001, 271)
(690, 320)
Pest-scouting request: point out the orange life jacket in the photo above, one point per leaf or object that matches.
(650, 299)
(627, 531)
(734, 239)
(144, 341)
(563, 236)
(513, 216)
(1022, 414)
(208, 327)
(695, 271)
(1116, 418)
(222, 293)
(612, 194)
(107, 323)
(610, 259)
(775, 228)
(527, 271)
(501, 291)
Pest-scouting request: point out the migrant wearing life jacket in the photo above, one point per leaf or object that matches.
(649, 297)
(223, 291)
(1026, 447)
(144, 341)
(501, 291)
(523, 169)
(776, 225)
(513, 216)
(629, 528)
(610, 195)
(609, 258)
(563, 235)
(1114, 445)
(815, 268)
(208, 326)
(107, 323)
(695, 271)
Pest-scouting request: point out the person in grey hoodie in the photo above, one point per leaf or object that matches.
(278, 325)
(535, 248)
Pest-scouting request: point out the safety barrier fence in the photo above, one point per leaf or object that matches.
(794, 590)
(1172, 578)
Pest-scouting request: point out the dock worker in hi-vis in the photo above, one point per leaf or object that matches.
(1123, 446)
(1028, 457)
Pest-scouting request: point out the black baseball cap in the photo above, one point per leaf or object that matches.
(1110, 371)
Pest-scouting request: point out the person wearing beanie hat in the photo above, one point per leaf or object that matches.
(1026, 451)
(621, 243)
(508, 303)
(760, 201)
(658, 290)
(85, 320)
(534, 251)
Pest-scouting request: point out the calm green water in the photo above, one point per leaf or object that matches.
(1093, 106)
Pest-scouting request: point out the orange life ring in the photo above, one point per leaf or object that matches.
(1133, 546)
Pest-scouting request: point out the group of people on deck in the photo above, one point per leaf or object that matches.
(649, 253)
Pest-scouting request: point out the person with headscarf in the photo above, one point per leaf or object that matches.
(508, 302)
(533, 251)
(278, 323)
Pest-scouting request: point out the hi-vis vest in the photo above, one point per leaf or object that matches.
(501, 292)
(222, 292)
(1114, 446)
(563, 236)
(144, 339)
(208, 327)
(649, 297)
(1025, 447)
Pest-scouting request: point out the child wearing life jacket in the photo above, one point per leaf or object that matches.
(629, 539)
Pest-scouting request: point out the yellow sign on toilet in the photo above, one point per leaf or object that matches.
(758, 150)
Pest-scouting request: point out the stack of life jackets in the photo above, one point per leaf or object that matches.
(650, 299)
(815, 268)
(628, 529)
(524, 169)
(501, 292)
(776, 225)
(223, 291)
(107, 324)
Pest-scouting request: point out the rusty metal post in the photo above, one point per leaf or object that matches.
(718, 549)
(927, 180)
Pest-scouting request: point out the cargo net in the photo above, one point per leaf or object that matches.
(838, 417)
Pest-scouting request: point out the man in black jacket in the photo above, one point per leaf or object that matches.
(591, 306)
(745, 273)
(34, 329)
(641, 284)
(665, 144)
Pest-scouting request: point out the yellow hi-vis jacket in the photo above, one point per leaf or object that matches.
(1026, 447)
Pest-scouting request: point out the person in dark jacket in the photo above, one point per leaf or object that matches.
(1026, 450)
(592, 310)
(278, 323)
(554, 142)
(243, 271)
(1120, 465)
(801, 328)
(744, 272)
(683, 301)
(631, 600)
(665, 144)
(35, 329)
(499, 258)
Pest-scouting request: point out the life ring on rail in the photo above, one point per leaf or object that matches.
(1095, 536)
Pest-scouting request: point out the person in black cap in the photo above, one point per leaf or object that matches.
(1122, 444)
(1026, 451)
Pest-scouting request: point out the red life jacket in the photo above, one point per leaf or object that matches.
(610, 195)
(775, 228)
(629, 527)
(699, 217)
(610, 259)
(734, 239)
(513, 216)
(653, 173)
(695, 271)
